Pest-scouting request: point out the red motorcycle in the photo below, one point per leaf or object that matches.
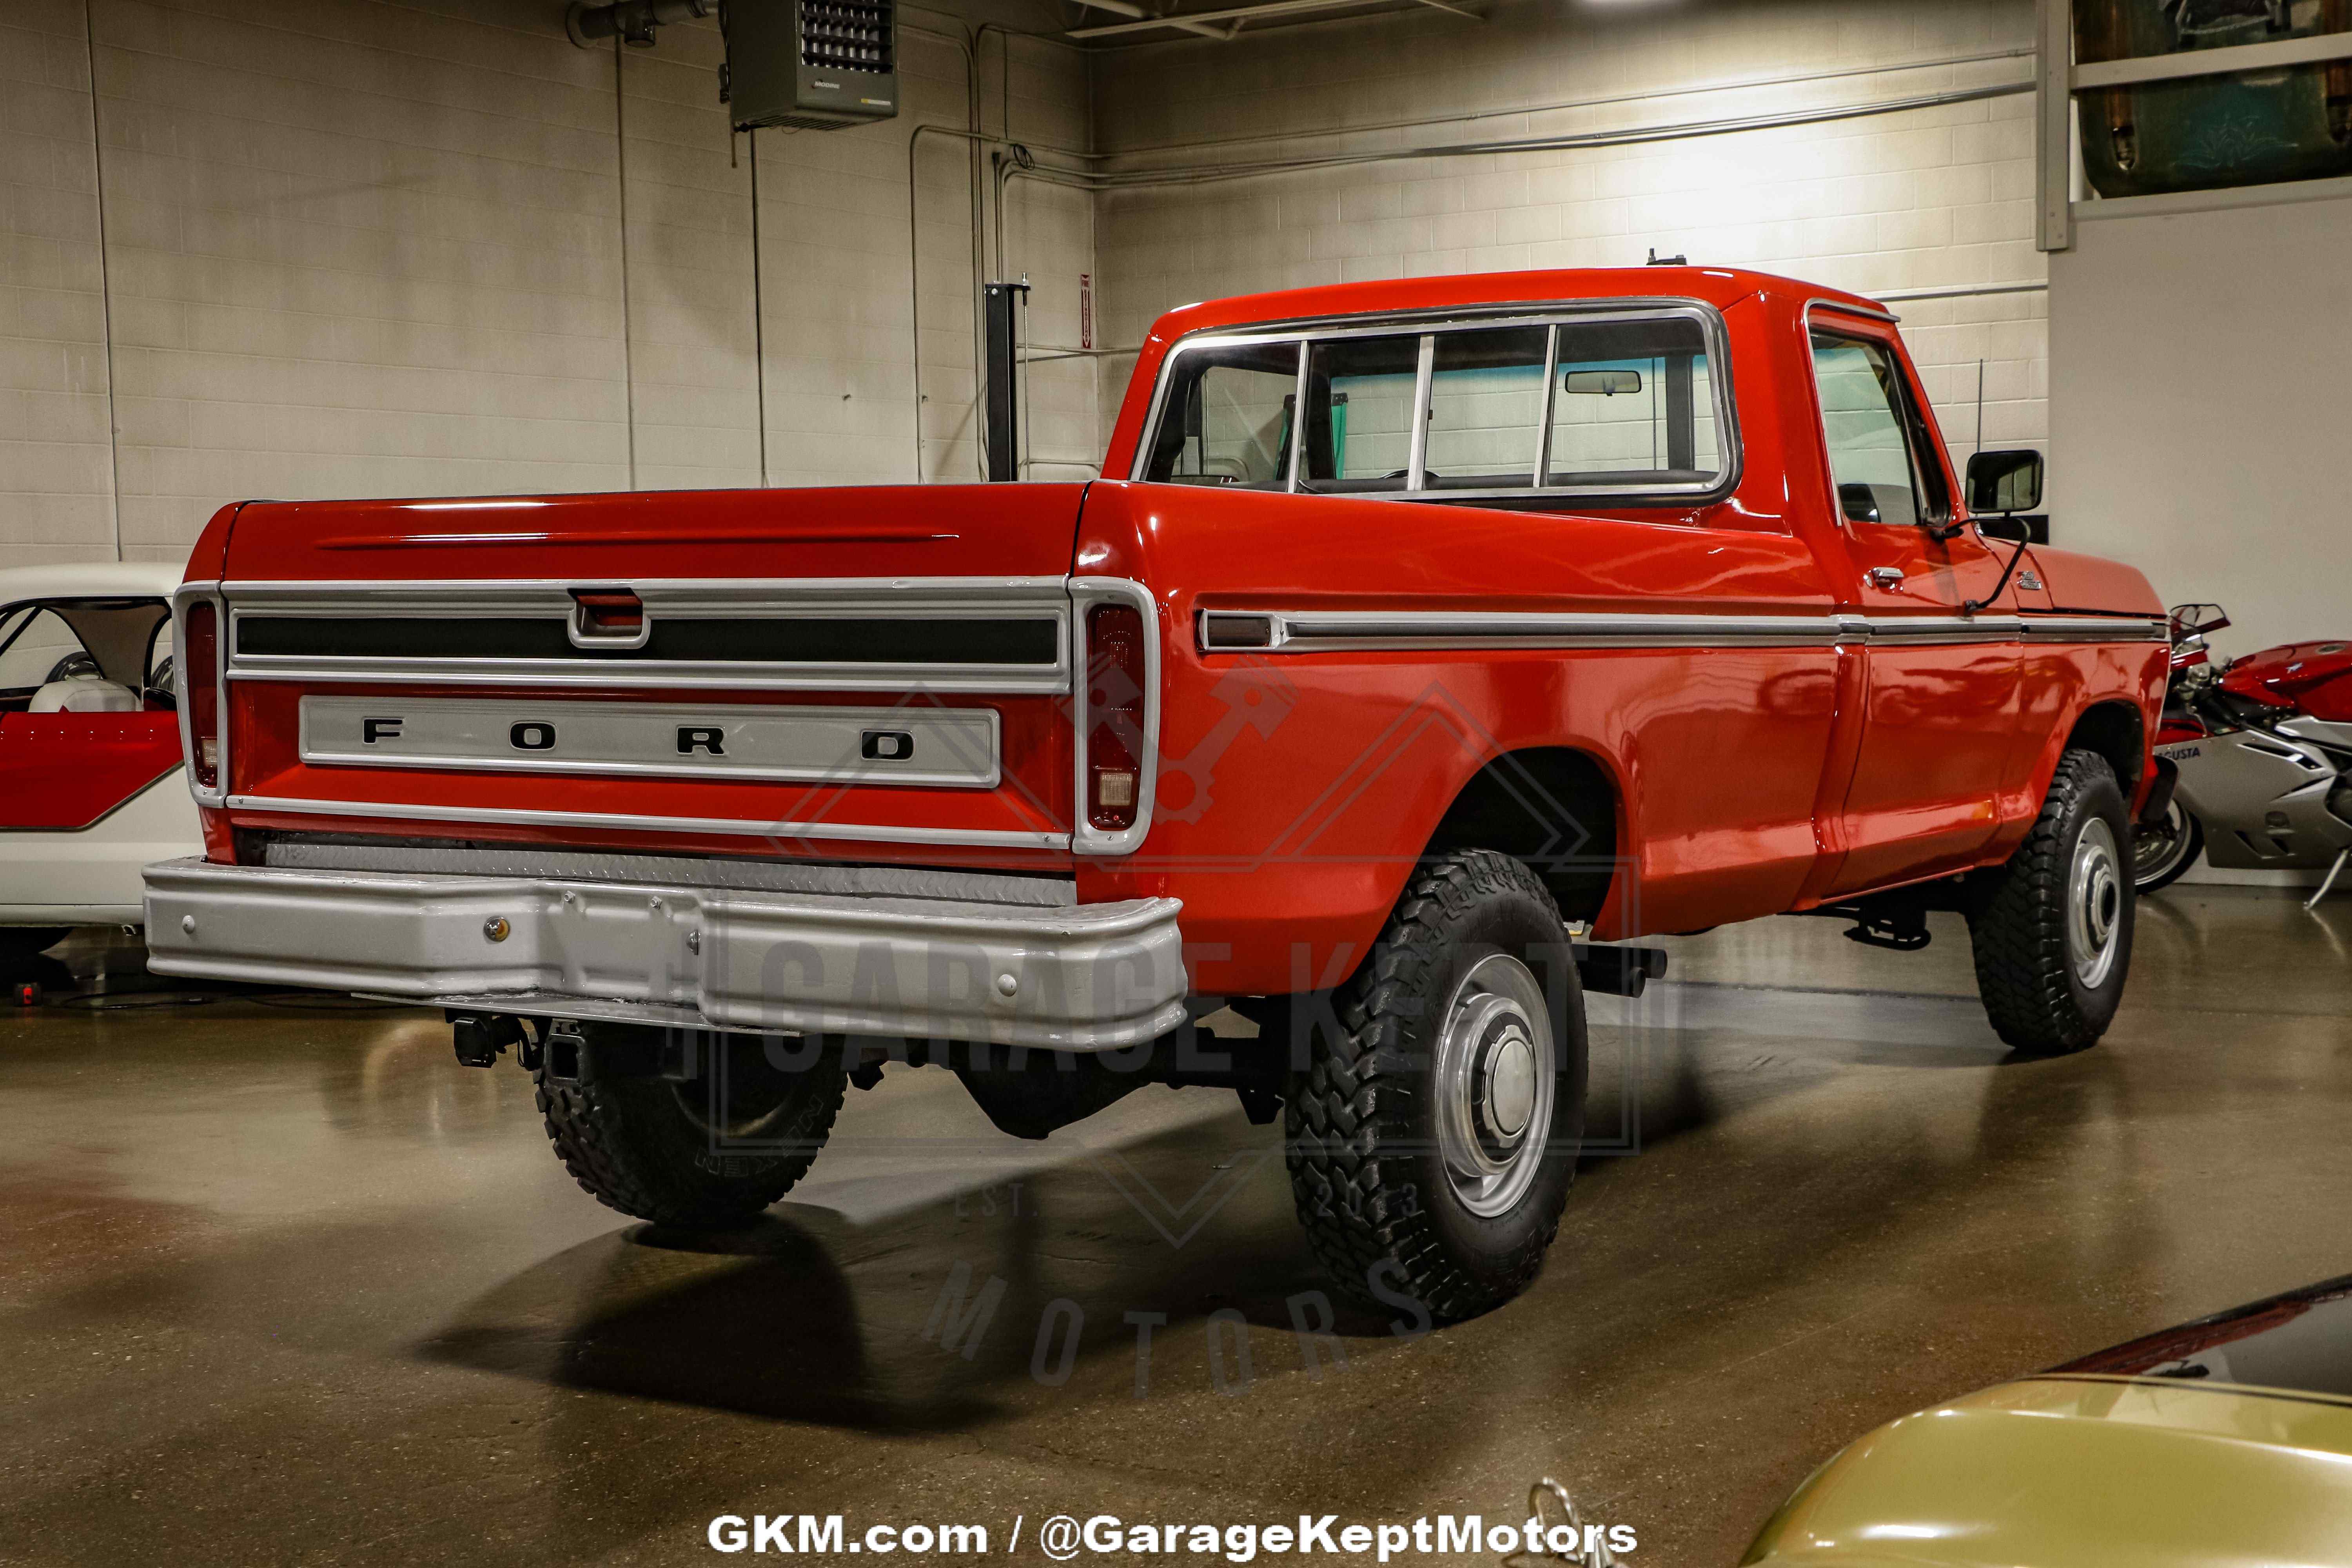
(2263, 746)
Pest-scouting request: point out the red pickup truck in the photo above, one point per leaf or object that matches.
(1423, 642)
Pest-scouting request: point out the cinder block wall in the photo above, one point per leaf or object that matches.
(1931, 198)
(360, 248)
(340, 247)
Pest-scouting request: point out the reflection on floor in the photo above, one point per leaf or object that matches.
(283, 1281)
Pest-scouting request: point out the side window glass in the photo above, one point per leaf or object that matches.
(1227, 418)
(1359, 397)
(1485, 409)
(35, 646)
(1633, 404)
(1862, 411)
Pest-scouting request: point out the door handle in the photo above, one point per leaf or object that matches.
(1886, 576)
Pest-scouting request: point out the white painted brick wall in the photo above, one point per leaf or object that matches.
(359, 248)
(1927, 199)
(693, 389)
(837, 307)
(355, 249)
(56, 468)
(363, 249)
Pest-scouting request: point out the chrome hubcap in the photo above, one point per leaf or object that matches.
(2095, 903)
(1495, 1081)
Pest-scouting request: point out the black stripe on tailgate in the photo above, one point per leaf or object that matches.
(814, 639)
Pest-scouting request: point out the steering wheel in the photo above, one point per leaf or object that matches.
(160, 688)
(73, 667)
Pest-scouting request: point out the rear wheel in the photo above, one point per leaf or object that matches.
(2053, 933)
(1431, 1143)
(705, 1153)
(2163, 850)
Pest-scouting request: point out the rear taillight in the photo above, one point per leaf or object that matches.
(200, 677)
(1116, 678)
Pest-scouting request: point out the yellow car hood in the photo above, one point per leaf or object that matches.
(2085, 1472)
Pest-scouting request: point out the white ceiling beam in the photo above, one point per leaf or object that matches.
(1124, 8)
(2214, 62)
(1237, 15)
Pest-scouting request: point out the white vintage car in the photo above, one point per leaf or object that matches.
(91, 784)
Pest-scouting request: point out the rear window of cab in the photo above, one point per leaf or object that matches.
(1622, 406)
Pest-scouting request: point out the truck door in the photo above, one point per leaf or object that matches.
(1941, 688)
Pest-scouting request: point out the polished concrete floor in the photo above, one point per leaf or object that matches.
(279, 1282)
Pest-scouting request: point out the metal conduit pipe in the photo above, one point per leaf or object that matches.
(914, 266)
(1697, 89)
(965, 46)
(969, 44)
(1211, 174)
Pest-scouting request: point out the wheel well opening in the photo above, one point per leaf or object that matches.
(2112, 730)
(1551, 808)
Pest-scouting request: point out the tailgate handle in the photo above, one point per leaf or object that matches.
(608, 617)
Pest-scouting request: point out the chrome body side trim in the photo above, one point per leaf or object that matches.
(1319, 631)
(619, 822)
(1248, 629)
(1089, 977)
(1913, 631)
(2095, 628)
(944, 599)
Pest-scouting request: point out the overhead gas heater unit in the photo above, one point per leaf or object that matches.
(814, 65)
(811, 65)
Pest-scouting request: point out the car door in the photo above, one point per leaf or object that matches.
(1941, 684)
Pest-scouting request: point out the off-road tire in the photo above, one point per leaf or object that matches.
(1370, 1184)
(2191, 834)
(645, 1145)
(2017, 924)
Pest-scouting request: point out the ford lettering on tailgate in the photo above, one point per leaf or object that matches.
(950, 746)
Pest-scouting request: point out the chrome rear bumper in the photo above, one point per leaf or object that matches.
(1079, 977)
